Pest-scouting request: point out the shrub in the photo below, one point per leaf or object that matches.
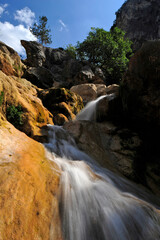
(14, 115)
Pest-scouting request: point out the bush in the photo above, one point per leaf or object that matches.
(14, 115)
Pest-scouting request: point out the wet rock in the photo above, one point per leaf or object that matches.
(113, 148)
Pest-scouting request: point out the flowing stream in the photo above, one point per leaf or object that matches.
(94, 203)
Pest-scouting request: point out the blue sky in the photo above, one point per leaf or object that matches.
(69, 21)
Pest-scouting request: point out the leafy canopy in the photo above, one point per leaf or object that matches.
(41, 31)
(108, 50)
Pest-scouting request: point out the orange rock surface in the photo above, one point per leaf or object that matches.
(18, 91)
(28, 188)
(10, 62)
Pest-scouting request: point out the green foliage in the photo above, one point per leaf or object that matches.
(41, 31)
(71, 50)
(1, 97)
(108, 50)
(14, 115)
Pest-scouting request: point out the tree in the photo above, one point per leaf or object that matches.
(71, 50)
(108, 50)
(41, 31)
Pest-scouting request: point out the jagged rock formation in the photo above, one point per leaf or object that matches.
(140, 19)
(49, 67)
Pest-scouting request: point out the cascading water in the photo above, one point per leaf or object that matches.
(89, 112)
(93, 202)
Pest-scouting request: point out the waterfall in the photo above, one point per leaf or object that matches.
(89, 111)
(95, 204)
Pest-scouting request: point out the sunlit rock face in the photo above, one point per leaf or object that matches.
(28, 188)
(140, 19)
(17, 91)
(10, 62)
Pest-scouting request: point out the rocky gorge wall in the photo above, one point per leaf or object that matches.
(140, 19)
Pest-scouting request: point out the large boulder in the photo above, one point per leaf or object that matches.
(20, 105)
(10, 62)
(61, 101)
(90, 91)
(140, 87)
(28, 188)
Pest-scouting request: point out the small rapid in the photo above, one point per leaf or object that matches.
(89, 111)
(94, 203)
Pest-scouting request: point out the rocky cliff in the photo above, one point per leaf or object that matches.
(140, 19)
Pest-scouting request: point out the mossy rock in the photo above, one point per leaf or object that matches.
(62, 101)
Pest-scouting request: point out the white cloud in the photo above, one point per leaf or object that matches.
(63, 26)
(2, 8)
(26, 16)
(11, 35)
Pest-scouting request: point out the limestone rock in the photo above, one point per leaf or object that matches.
(28, 188)
(17, 91)
(61, 101)
(10, 62)
(90, 91)
(140, 19)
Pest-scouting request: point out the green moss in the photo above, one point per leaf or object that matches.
(14, 115)
(1, 97)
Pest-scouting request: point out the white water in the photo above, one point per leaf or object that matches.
(94, 203)
(89, 111)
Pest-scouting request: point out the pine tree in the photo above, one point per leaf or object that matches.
(41, 31)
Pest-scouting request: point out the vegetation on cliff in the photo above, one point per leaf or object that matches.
(105, 49)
